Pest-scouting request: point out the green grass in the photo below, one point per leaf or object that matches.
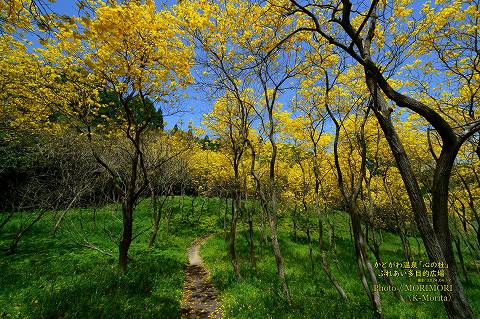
(55, 277)
(258, 294)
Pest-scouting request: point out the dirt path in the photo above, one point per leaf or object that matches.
(199, 295)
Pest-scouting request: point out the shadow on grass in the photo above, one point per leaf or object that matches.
(95, 289)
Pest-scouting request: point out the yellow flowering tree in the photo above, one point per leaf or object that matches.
(136, 54)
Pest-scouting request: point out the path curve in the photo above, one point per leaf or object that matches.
(200, 298)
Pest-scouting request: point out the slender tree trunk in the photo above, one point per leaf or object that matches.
(272, 216)
(269, 209)
(251, 244)
(419, 247)
(323, 255)
(127, 235)
(225, 219)
(233, 235)
(128, 205)
(364, 261)
(95, 218)
(326, 265)
(182, 205)
(263, 235)
(200, 214)
(251, 247)
(18, 236)
(153, 236)
(405, 243)
(375, 248)
(310, 249)
(471, 204)
(294, 220)
(333, 243)
(460, 258)
(375, 245)
(158, 209)
(350, 197)
(278, 257)
(57, 224)
(191, 211)
(168, 216)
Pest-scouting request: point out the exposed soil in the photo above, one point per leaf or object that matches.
(200, 298)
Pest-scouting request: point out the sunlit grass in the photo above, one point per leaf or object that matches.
(53, 277)
(258, 294)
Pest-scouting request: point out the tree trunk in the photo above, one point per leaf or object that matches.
(182, 205)
(233, 234)
(263, 235)
(333, 243)
(126, 238)
(325, 264)
(268, 205)
(278, 257)
(363, 261)
(441, 179)
(251, 247)
(200, 214)
(375, 248)
(168, 216)
(294, 220)
(95, 218)
(471, 204)
(458, 306)
(57, 224)
(272, 216)
(153, 236)
(18, 236)
(225, 219)
(460, 257)
(310, 250)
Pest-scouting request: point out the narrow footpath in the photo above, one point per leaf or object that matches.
(200, 298)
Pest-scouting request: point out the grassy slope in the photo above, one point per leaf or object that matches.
(258, 295)
(54, 277)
